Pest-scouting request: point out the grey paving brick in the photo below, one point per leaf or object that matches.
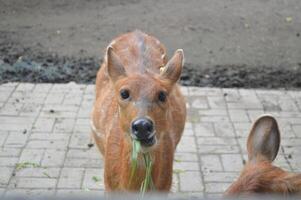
(29, 193)
(211, 163)
(10, 152)
(215, 141)
(53, 158)
(199, 103)
(37, 183)
(38, 172)
(32, 155)
(44, 124)
(190, 157)
(238, 116)
(204, 129)
(71, 178)
(224, 129)
(3, 136)
(80, 140)
(218, 149)
(184, 166)
(191, 182)
(16, 139)
(8, 161)
(93, 179)
(232, 162)
(5, 175)
(187, 144)
(227, 177)
(216, 187)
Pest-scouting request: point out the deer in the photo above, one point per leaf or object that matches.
(259, 175)
(138, 97)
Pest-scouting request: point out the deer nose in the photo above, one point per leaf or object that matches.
(143, 129)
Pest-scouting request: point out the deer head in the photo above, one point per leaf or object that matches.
(143, 98)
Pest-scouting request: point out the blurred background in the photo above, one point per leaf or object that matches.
(227, 43)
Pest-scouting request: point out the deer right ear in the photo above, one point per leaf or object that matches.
(264, 139)
(114, 65)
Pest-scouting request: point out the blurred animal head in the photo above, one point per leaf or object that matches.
(259, 174)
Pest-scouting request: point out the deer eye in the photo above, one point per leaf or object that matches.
(162, 96)
(124, 94)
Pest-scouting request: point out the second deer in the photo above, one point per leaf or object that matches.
(259, 175)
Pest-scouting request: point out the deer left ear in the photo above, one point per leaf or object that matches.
(173, 68)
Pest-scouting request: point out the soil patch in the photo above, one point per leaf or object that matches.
(22, 64)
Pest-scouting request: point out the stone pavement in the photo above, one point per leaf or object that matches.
(44, 132)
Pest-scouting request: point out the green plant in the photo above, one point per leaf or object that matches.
(147, 182)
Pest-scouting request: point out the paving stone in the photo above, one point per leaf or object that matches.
(11, 109)
(93, 179)
(32, 155)
(5, 175)
(16, 139)
(191, 182)
(238, 116)
(44, 124)
(232, 162)
(227, 177)
(187, 144)
(71, 178)
(64, 125)
(215, 141)
(190, 157)
(8, 161)
(38, 172)
(204, 129)
(37, 183)
(3, 137)
(211, 163)
(216, 187)
(10, 152)
(42, 88)
(216, 102)
(199, 103)
(29, 193)
(80, 141)
(53, 158)
(224, 129)
(186, 166)
(218, 149)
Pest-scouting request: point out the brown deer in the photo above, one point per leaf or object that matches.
(259, 176)
(137, 97)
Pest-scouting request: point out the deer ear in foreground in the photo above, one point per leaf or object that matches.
(259, 176)
(264, 139)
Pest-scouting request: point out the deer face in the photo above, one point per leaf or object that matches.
(259, 175)
(143, 98)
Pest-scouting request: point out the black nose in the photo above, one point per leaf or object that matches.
(143, 129)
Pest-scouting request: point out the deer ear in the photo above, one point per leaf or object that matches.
(173, 68)
(115, 68)
(264, 139)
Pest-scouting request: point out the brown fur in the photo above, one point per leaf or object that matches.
(141, 56)
(259, 175)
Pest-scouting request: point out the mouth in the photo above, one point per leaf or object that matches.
(149, 141)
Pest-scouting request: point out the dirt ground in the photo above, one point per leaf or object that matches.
(227, 43)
